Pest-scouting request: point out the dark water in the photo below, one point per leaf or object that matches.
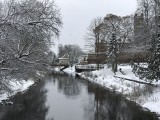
(64, 97)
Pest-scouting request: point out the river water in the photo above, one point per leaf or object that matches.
(66, 97)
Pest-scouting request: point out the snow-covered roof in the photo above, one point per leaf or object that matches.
(65, 56)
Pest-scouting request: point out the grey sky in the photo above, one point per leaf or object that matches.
(77, 15)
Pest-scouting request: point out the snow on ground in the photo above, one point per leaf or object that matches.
(153, 102)
(146, 96)
(106, 78)
(57, 69)
(16, 86)
(70, 70)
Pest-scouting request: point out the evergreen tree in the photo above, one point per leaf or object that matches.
(154, 65)
(112, 58)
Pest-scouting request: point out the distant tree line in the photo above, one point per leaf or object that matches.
(73, 51)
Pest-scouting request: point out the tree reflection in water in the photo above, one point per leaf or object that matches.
(110, 106)
(68, 85)
(72, 99)
(103, 104)
(30, 106)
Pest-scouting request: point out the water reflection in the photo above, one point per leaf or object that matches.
(66, 83)
(111, 106)
(29, 106)
(71, 98)
(69, 85)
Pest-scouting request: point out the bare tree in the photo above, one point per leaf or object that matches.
(26, 28)
(100, 31)
(93, 32)
(74, 52)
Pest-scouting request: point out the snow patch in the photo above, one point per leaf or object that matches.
(134, 91)
(70, 70)
(16, 86)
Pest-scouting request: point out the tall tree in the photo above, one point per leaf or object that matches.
(26, 28)
(112, 55)
(112, 24)
(93, 33)
(122, 26)
(151, 9)
(154, 64)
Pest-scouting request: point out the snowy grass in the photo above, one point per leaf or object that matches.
(16, 86)
(146, 96)
(70, 70)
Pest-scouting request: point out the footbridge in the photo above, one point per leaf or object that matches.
(87, 67)
(61, 66)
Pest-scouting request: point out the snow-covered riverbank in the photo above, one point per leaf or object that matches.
(15, 86)
(145, 95)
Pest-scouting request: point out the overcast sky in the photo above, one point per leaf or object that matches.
(77, 15)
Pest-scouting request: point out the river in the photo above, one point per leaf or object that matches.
(66, 97)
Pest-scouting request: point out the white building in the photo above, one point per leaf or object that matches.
(64, 60)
